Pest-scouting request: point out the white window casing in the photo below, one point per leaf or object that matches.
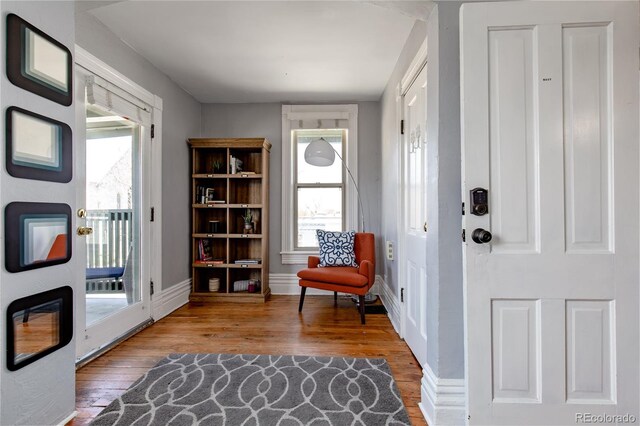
(296, 117)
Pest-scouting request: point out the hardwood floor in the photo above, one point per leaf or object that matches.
(271, 328)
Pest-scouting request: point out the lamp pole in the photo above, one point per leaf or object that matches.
(355, 185)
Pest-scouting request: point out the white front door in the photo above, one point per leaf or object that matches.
(415, 216)
(550, 130)
(114, 186)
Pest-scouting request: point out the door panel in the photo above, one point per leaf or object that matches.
(549, 124)
(414, 156)
(514, 144)
(587, 93)
(516, 350)
(589, 347)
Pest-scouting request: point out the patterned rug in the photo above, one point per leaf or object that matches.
(218, 389)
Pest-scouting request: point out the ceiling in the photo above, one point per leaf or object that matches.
(267, 51)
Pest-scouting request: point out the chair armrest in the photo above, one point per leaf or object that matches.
(313, 262)
(367, 269)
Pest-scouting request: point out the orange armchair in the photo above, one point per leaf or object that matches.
(345, 279)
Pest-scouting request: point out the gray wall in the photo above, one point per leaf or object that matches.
(42, 392)
(180, 120)
(444, 316)
(265, 120)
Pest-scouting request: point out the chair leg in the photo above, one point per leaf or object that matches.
(302, 291)
(361, 300)
(335, 298)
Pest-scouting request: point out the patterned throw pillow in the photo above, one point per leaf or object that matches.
(336, 248)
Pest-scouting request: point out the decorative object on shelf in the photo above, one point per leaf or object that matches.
(37, 235)
(214, 226)
(50, 315)
(235, 165)
(216, 165)
(247, 218)
(320, 153)
(38, 63)
(209, 197)
(214, 284)
(37, 147)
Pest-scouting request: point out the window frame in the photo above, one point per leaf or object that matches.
(292, 115)
(296, 185)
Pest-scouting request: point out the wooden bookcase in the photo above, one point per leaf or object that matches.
(218, 227)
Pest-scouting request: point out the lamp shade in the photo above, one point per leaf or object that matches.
(319, 153)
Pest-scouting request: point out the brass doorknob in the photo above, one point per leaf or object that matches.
(84, 230)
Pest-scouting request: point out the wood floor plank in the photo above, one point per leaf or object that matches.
(273, 328)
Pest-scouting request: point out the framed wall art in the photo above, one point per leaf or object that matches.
(38, 63)
(37, 235)
(38, 325)
(37, 147)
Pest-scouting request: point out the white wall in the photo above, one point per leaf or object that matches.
(265, 120)
(44, 391)
(181, 120)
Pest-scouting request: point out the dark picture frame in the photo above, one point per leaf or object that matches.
(20, 218)
(60, 170)
(31, 306)
(25, 70)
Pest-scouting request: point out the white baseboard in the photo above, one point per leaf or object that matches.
(390, 302)
(443, 401)
(170, 299)
(68, 418)
(287, 284)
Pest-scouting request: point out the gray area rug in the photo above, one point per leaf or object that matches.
(219, 389)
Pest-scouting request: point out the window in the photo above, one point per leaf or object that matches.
(319, 191)
(317, 197)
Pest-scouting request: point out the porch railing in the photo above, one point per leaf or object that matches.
(108, 246)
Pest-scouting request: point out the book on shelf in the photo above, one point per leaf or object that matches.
(205, 250)
(247, 261)
(211, 261)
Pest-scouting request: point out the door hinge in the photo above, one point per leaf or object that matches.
(464, 235)
(151, 286)
(153, 214)
(463, 208)
(402, 295)
(153, 131)
(402, 127)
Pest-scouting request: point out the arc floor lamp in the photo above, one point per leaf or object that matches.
(320, 153)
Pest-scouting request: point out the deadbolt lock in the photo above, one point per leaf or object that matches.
(82, 213)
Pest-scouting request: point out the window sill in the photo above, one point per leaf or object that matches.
(297, 257)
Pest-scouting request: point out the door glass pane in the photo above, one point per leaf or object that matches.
(318, 208)
(112, 204)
